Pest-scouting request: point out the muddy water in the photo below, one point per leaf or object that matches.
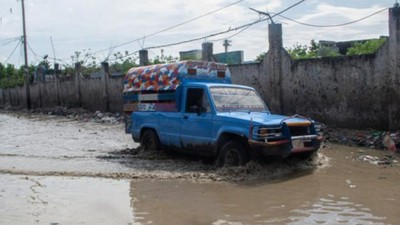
(58, 171)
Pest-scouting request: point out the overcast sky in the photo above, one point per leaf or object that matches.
(97, 26)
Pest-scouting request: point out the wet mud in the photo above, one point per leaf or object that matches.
(58, 171)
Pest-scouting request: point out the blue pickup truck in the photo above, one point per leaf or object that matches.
(192, 106)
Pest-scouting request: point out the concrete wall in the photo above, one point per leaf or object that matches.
(103, 93)
(68, 96)
(346, 91)
(115, 88)
(92, 94)
(394, 66)
(354, 92)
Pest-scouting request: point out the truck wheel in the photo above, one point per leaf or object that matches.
(232, 154)
(149, 141)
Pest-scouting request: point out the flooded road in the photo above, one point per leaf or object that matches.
(58, 171)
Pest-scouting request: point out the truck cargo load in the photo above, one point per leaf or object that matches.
(166, 77)
(152, 88)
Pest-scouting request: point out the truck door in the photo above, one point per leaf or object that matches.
(196, 126)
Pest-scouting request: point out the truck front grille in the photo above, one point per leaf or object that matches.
(299, 130)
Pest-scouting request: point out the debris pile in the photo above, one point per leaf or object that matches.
(364, 138)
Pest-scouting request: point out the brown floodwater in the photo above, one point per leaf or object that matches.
(58, 171)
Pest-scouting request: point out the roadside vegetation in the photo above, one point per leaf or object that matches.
(121, 62)
(316, 50)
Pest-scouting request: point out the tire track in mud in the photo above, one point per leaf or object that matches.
(60, 147)
(160, 165)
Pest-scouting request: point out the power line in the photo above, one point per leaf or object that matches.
(233, 35)
(244, 27)
(290, 7)
(10, 40)
(169, 28)
(334, 25)
(18, 44)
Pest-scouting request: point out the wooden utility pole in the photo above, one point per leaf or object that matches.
(27, 80)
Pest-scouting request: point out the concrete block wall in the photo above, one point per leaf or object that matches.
(354, 92)
(92, 94)
(115, 88)
(68, 96)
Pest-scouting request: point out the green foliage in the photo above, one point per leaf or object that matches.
(300, 52)
(163, 59)
(124, 62)
(314, 50)
(368, 47)
(10, 76)
(324, 51)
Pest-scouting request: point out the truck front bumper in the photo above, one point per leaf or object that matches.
(283, 148)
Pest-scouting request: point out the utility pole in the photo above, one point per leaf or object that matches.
(226, 44)
(27, 80)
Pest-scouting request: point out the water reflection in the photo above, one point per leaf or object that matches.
(332, 210)
(172, 202)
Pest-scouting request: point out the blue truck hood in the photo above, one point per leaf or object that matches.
(261, 118)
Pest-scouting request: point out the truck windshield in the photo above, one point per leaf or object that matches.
(234, 99)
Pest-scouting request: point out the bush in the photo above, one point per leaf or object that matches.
(368, 47)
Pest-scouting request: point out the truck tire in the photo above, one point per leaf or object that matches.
(150, 141)
(232, 154)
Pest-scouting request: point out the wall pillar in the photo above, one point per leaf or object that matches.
(144, 57)
(273, 70)
(106, 76)
(207, 51)
(394, 71)
(78, 74)
(57, 82)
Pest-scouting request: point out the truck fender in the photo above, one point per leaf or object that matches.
(234, 133)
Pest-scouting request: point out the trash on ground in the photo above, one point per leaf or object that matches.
(375, 160)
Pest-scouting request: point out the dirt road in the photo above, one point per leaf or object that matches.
(59, 171)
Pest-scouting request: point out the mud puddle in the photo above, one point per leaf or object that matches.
(46, 145)
(56, 171)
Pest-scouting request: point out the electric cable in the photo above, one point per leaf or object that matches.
(229, 30)
(18, 44)
(334, 25)
(169, 28)
(10, 40)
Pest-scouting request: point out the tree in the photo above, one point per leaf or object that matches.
(123, 62)
(2, 71)
(299, 52)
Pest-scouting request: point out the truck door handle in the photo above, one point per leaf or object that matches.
(185, 117)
